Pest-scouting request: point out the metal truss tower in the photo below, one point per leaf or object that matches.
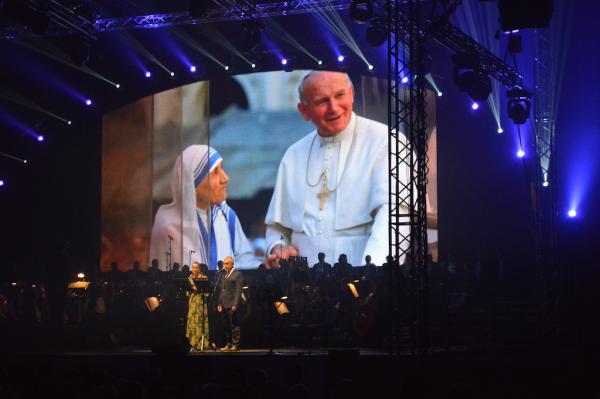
(548, 273)
(408, 170)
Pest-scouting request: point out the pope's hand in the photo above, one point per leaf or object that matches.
(279, 252)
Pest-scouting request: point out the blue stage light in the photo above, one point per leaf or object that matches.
(520, 153)
(88, 102)
(40, 138)
(340, 58)
(148, 74)
(284, 61)
(193, 68)
(572, 213)
(475, 106)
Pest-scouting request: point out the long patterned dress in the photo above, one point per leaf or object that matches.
(197, 318)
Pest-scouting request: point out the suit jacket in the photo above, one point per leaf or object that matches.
(229, 290)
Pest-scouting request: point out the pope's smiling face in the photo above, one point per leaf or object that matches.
(327, 100)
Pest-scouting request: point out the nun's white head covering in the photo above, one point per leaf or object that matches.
(178, 220)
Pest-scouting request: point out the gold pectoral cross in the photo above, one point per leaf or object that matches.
(324, 193)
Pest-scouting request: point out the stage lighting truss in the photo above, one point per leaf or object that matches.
(519, 105)
(361, 11)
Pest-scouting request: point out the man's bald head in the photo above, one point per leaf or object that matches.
(326, 99)
(312, 74)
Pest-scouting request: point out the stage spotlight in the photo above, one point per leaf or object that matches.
(69, 123)
(1, 183)
(320, 62)
(199, 8)
(24, 161)
(439, 94)
(117, 85)
(284, 61)
(88, 102)
(370, 67)
(545, 183)
(404, 79)
(192, 68)
(226, 67)
(340, 58)
(519, 105)
(474, 106)
(253, 66)
(361, 11)
(520, 153)
(81, 276)
(251, 35)
(21, 12)
(500, 130)
(376, 34)
(148, 74)
(40, 138)
(572, 213)
(517, 14)
(172, 74)
(469, 78)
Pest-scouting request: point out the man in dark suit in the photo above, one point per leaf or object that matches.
(321, 271)
(342, 270)
(229, 291)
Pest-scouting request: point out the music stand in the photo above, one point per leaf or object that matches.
(202, 285)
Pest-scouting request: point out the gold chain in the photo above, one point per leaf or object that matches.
(324, 173)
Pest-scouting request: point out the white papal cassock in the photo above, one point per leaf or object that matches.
(354, 216)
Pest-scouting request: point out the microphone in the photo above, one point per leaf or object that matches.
(170, 238)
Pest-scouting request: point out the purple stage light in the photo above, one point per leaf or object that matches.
(193, 68)
(148, 74)
(1, 183)
(40, 138)
(475, 106)
(340, 58)
(284, 61)
(88, 102)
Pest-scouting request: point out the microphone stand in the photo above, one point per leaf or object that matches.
(190, 258)
(169, 267)
(211, 301)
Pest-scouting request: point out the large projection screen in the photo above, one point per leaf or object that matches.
(251, 120)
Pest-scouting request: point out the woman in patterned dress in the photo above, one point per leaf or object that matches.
(197, 318)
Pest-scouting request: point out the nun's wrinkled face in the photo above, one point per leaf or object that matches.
(214, 186)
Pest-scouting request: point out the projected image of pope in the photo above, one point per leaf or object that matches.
(198, 223)
(331, 193)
